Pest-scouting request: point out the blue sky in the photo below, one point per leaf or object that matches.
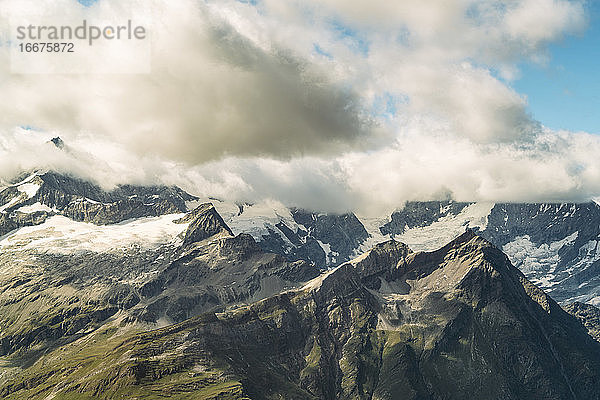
(87, 2)
(565, 93)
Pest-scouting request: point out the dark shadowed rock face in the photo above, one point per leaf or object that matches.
(342, 234)
(543, 223)
(588, 315)
(417, 214)
(381, 261)
(556, 245)
(204, 222)
(58, 142)
(457, 323)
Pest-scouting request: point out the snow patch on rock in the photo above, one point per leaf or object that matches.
(61, 235)
(538, 263)
(36, 207)
(30, 189)
(444, 230)
(11, 203)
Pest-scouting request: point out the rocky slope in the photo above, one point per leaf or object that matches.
(588, 315)
(323, 239)
(555, 245)
(213, 269)
(62, 279)
(86, 274)
(457, 323)
(36, 196)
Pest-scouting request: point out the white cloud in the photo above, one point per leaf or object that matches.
(211, 93)
(534, 21)
(554, 167)
(276, 101)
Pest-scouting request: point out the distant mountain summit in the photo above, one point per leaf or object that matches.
(58, 142)
(37, 196)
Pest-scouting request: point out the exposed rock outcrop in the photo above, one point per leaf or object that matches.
(588, 315)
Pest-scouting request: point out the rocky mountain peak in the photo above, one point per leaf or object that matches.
(449, 264)
(58, 142)
(464, 299)
(392, 267)
(455, 323)
(204, 222)
(40, 195)
(384, 257)
(469, 240)
(469, 268)
(556, 245)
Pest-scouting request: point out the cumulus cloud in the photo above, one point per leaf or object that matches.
(450, 58)
(535, 21)
(87, 156)
(554, 167)
(211, 93)
(330, 105)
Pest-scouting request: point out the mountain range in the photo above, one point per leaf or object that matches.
(556, 245)
(150, 292)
